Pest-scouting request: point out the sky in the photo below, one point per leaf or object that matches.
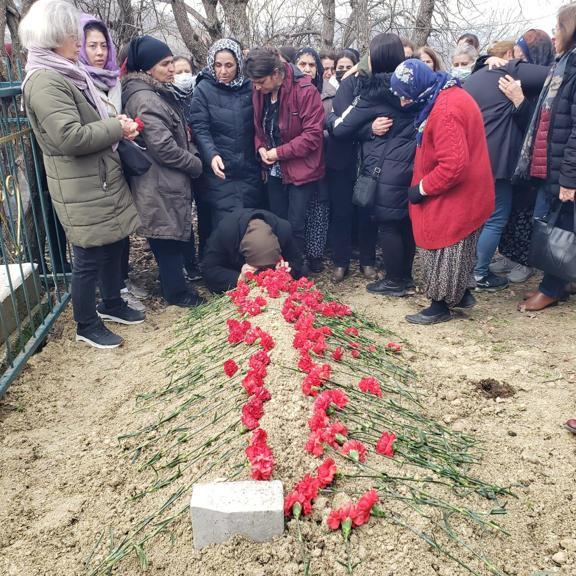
(538, 13)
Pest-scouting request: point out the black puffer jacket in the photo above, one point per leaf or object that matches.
(223, 261)
(562, 134)
(223, 124)
(392, 153)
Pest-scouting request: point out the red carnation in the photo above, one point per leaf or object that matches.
(385, 445)
(314, 445)
(252, 411)
(340, 517)
(393, 347)
(352, 331)
(355, 354)
(139, 123)
(318, 421)
(370, 385)
(364, 507)
(329, 397)
(338, 353)
(355, 449)
(326, 472)
(230, 368)
(306, 364)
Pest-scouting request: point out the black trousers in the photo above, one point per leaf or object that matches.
(290, 202)
(100, 263)
(398, 248)
(342, 213)
(170, 255)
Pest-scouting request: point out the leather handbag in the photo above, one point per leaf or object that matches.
(365, 189)
(135, 161)
(553, 249)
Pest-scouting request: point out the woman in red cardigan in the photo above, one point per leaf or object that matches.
(453, 190)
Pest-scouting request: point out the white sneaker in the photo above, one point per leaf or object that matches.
(131, 300)
(501, 266)
(520, 273)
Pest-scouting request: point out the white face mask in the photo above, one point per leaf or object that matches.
(461, 72)
(184, 80)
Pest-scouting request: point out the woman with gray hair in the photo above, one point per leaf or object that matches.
(79, 141)
(463, 60)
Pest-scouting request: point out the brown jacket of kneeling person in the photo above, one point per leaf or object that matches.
(256, 238)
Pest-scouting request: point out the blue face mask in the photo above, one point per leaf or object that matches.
(461, 72)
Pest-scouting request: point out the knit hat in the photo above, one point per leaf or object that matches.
(260, 246)
(145, 52)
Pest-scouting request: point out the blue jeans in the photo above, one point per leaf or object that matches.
(553, 286)
(492, 230)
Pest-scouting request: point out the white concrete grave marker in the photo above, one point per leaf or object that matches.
(221, 510)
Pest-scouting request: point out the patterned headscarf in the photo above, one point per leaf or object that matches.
(414, 81)
(231, 46)
(537, 47)
(319, 80)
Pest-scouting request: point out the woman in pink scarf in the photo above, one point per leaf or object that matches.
(78, 139)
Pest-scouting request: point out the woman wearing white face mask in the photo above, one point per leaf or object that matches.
(463, 61)
(184, 80)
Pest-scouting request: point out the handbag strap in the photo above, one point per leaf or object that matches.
(554, 213)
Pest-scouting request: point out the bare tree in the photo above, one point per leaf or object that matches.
(423, 24)
(328, 23)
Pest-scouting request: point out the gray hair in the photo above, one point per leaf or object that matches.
(48, 24)
(464, 49)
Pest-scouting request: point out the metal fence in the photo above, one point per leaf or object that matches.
(34, 264)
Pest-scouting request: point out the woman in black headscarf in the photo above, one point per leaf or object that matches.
(307, 60)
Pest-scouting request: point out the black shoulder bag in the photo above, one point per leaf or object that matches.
(552, 249)
(135, 161)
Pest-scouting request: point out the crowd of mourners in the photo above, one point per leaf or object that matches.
(288, 157)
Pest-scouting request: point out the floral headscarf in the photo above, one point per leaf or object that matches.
(231, 46)
(414, 81)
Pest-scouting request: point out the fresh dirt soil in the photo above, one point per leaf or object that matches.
(508, 378)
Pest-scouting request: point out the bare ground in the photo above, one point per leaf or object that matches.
(506, 377)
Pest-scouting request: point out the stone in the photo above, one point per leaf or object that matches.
(220, 510)
(568, 544)
(21, 280)
(559, 558)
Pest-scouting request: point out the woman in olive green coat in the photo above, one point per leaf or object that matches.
(85, 178)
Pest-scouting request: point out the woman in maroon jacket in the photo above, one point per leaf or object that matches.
(453, 190)
(289, 123)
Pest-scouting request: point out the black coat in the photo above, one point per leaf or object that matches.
(505, 124)
(562, 134)
(223, 124)
(222, 258)
(392, 153)
(341, 153)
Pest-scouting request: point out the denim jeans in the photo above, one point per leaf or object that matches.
(553, 286)
(290, 202)
(99, 263)
(170, 255)
(493, 228)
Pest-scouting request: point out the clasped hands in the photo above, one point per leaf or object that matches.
(129, 127)
(268, 157)
(282, 265)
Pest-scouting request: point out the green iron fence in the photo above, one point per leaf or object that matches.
(34, 264)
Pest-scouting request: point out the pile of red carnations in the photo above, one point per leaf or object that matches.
(303, 306)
